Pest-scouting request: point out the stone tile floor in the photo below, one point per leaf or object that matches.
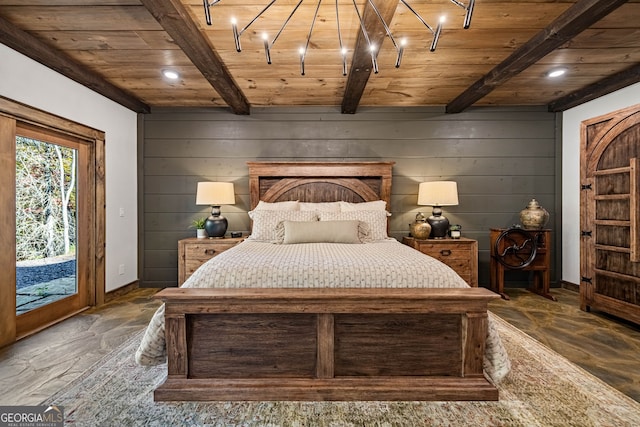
(605, 346)
(37, 366)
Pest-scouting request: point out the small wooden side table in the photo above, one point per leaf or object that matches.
(541, 264)
(459, 254)
(194, 252)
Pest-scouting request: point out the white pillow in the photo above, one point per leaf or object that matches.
(323, 206)
(265, 222)
(375, 220)
(320, 232)
(275, 206)
(376, 205)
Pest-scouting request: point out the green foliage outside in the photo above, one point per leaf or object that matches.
(45, 199)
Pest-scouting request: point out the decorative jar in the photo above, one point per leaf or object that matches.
(420, 229)
(534, 216)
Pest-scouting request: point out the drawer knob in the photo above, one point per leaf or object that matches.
(445, 252)
(209, 251)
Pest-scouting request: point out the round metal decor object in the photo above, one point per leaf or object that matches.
(515, 248)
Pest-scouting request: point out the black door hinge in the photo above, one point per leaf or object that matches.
(585, 233)
(585, 187)
(585, 279)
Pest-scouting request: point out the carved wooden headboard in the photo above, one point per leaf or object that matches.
(319, 181)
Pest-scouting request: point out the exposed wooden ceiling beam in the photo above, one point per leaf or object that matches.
(572, 22)
(600, 88)
(34, 48)
(174, 18)
(361, 64)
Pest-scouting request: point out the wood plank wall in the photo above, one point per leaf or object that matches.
(501, 158)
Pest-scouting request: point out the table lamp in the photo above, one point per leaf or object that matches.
(215, 194)
(438, 194)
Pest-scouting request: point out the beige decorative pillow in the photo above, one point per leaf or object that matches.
(265, 222)
(320, 232)
(375, 221)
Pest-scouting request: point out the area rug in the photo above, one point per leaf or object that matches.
(543, 389)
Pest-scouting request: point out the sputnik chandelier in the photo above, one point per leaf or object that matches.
(398, 45)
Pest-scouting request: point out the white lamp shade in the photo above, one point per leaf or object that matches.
(215, 193)
(438, 193)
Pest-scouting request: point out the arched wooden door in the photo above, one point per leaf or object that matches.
(610, 214)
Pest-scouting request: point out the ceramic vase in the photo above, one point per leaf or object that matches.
(534, 216)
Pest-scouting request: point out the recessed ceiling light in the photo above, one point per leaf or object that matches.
(557, 72)
(170, 74)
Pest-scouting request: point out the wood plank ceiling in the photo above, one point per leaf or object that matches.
(119, 48)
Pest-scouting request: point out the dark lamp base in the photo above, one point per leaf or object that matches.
(216, 226)
(439, 224)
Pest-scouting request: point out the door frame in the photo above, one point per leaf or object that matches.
(10, 113)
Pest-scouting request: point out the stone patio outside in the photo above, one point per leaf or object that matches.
(41, 282)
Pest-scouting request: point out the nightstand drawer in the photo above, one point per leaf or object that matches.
(455, 257)
(192, 253)
(447, 253)
(459, 254)
(204, 252)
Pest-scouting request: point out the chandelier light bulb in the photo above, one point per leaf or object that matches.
(267, 50)
(236, 35)
(403, 43)
(302, 51)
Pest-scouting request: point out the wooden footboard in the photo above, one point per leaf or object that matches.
(326, 344)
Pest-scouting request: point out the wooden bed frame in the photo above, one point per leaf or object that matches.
(325, 344)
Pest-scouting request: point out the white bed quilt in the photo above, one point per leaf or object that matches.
(384, 264)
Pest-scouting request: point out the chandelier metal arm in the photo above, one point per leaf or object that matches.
(384, 24)
(399, 49)
(234, 27)
(343, 51)
(417, 16)
(303, 51)
(362, 27)
(436, 32)
(256, 17)
(286, 22)
(372, 48)
(207, 9)
(468, 9)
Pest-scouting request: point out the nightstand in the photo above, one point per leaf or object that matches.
(194, 252)
(459, 254)
(540, 265)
